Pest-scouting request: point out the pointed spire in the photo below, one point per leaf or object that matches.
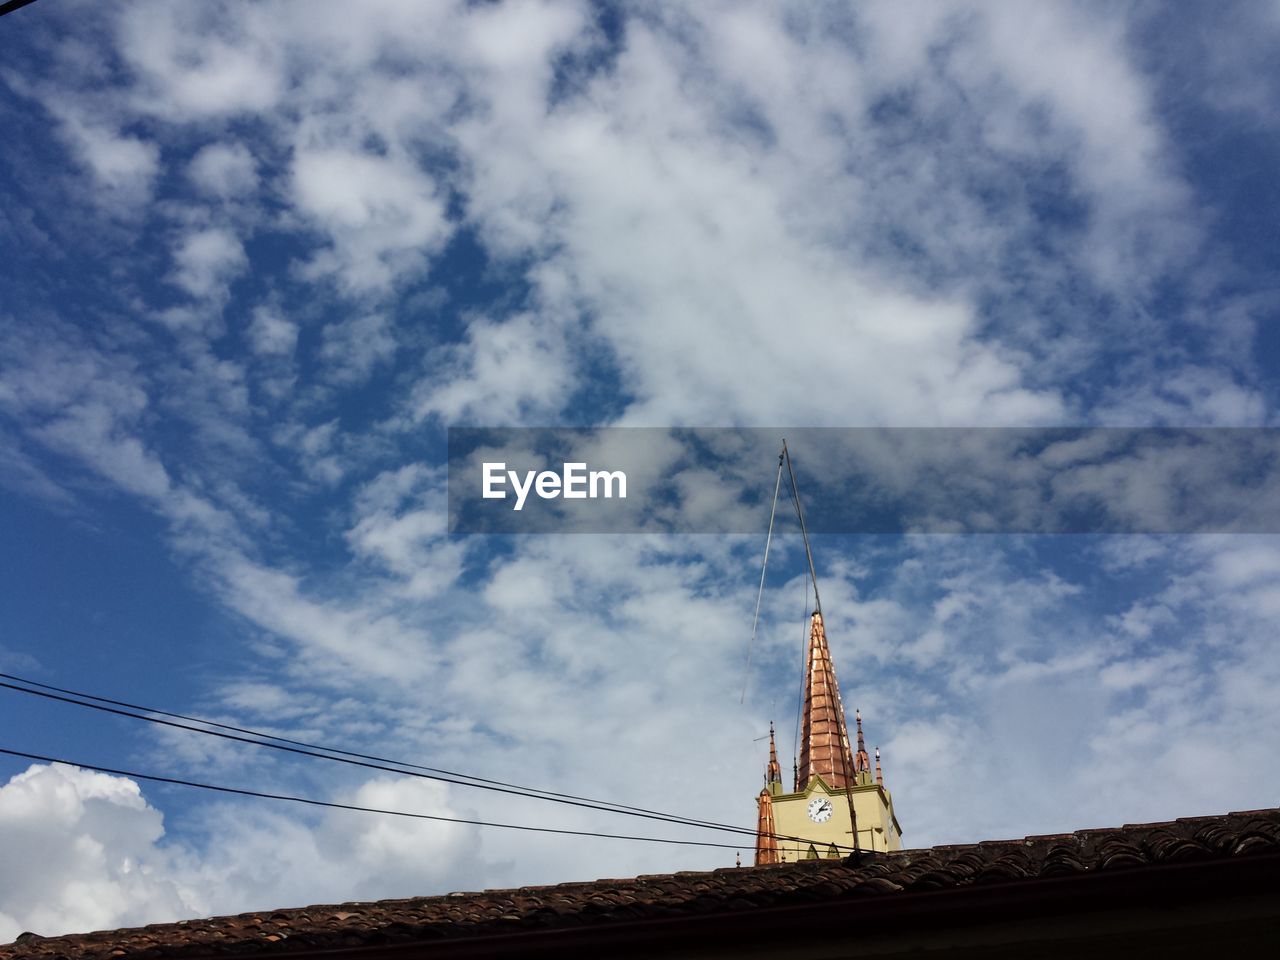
(824, 738)
(861, 762)
(879, 773)
(773, 772)
(766, 838)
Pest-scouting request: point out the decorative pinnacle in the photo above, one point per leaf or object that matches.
(766, 832)
(861, 762)
(879, 774)
(773, 772)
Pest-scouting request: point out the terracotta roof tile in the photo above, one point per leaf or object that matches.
(724, 891)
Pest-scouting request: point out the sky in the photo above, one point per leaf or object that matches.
(258, 258)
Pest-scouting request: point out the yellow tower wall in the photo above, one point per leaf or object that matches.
(877, 826)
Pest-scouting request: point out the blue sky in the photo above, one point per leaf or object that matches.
(258, 258)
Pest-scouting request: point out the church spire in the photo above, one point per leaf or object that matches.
(824, 738)
(840, 800)
(773, 772)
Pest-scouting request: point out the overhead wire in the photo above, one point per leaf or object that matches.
(804, 666)
(755, 621)
(390, 766)
(12, 5)
(295, 743)
(332, 804)
(348, 757)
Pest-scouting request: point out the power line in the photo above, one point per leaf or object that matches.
(244, 792)
(12, 5)
(299, 743)
(755, 620)
(378, 763)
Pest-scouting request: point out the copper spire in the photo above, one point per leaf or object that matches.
(861, 762)
(773, 773)
(766, 839)
(824, 738)
(879, 774)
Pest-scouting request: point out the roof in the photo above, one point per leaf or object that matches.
(886, 884)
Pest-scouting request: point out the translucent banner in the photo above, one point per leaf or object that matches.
(865, 480)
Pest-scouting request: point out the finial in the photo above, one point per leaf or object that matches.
(737, 859)
(879, 774)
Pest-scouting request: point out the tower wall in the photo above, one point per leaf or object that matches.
(877, 826)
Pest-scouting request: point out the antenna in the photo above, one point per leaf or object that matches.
(804, 532)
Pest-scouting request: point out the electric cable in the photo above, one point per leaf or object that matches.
(12, 5)
(755, 621)
(333, 804)
(299, 743)
(590, 804)
(602, 806)
(310, 801)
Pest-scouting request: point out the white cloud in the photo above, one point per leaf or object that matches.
(195, 63)
(271, 334)
(357, 640)
(400, 524)
(224, 170)
(80, 403)
(124, 167)
(207, 261)
(103, 862)
(88, 843)
(267, 858)
(353, 348)
(508, 372)
(382, 215)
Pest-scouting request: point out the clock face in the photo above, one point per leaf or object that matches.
(820, 809)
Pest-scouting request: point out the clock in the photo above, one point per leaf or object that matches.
(820, 810)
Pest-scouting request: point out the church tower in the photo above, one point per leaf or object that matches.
(830, 782)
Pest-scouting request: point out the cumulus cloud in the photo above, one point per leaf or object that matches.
(94, 839)
(104, 861)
